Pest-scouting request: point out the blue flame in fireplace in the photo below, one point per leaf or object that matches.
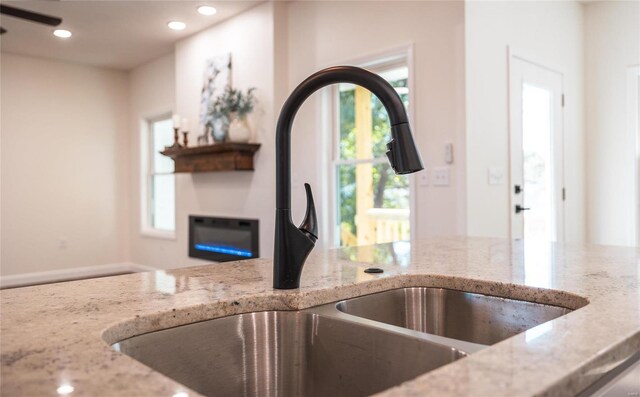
(223, 250)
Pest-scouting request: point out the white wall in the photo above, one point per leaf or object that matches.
(548, 33)
(324, 34)
(152, 94)
(250, 38)
(64, 162)
(612, 32)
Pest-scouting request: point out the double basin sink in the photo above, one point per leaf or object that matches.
(355, 347)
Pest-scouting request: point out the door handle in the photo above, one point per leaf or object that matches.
(520, 208)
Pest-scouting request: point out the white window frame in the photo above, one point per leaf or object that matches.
(146, 173)
(388, 59)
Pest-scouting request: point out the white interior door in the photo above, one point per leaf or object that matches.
(536, 174)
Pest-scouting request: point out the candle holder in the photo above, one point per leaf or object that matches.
(185, 138)
(176, 140)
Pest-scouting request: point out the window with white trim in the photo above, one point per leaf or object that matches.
(160, 184)
(372, 203)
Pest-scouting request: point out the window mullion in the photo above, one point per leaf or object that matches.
(375, 160)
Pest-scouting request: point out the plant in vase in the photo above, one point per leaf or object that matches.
(228, 115)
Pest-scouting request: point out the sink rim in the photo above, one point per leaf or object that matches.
(273, 300)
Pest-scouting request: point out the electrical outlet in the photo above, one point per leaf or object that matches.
(62, 243)
(440, 176)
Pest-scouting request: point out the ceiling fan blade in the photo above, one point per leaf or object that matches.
(29, 15)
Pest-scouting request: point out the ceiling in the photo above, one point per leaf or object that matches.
(107, 33)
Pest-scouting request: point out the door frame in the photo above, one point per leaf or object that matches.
(520, 56)
(633, 126)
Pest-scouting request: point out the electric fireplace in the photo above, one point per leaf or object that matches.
(223, 239)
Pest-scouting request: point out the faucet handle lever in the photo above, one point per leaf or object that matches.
(310, 223)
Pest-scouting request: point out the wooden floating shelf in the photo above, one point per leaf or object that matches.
(228, 156)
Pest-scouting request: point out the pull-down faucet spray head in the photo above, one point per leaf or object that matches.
(402, 152)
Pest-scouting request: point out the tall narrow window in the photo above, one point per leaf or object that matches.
(537, 156)
(161, 206)
(372, 202)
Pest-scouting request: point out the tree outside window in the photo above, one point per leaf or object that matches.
(373, 202)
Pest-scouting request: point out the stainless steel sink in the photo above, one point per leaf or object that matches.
(307, 353)
(356, 347)
(452, 314)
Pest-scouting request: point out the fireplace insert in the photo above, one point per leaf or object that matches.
(223, 239)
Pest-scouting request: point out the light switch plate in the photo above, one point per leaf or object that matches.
(440, 176)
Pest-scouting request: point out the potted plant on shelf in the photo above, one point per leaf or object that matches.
(231, 110)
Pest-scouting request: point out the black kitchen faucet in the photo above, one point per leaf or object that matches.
(293, 244)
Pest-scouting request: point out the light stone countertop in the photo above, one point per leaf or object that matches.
(61, 333)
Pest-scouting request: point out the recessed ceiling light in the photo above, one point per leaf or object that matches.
(207, 10)
(65, 389)
(62, 33)
(176, 25)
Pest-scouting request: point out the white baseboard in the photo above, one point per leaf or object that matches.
(52, 276)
